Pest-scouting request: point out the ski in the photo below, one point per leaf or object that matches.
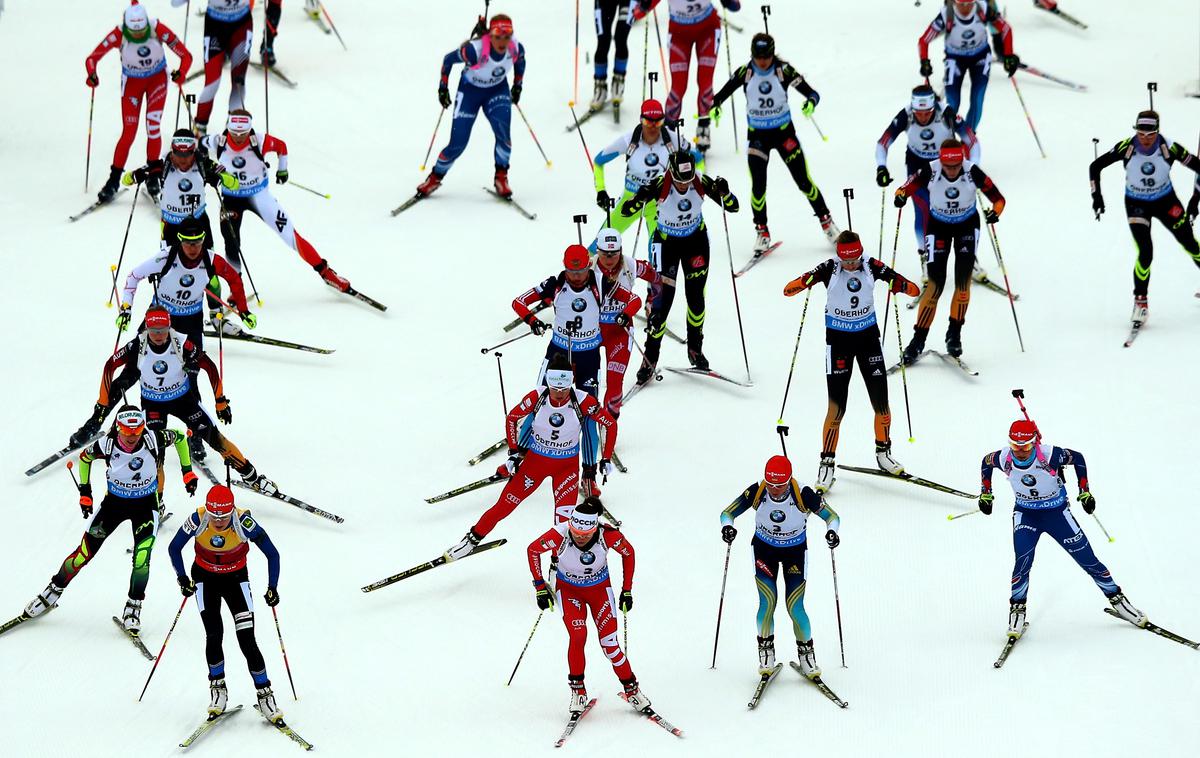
(515, 205)
(466, 488)
(756, 258)
(920, 355)
(135, 638)
(365, 298)
(985, 280)
(617, 462)
(657, 719)
(488, 452)
(291, 501)
(906, 477)
(1050, 77)
(205, 469)
(283, 728)
(584, 118)
(1156, 629)
(823, 687)
(763, 681)
(709, 373)
(1063, 15)
(422, 568)
(517, 322)
(268, 341)
(60, 455)
(1134, 331)
(1009, 645)
(21, 619)
(289, 83)
(573, 722)
(645, 320)
(208, 724)
(199, 72)
(408, 204)
(636, 388)
(94, 206)
(956, 361)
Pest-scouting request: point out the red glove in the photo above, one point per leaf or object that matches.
(190, 482)
(92, 80)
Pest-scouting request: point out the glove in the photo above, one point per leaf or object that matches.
(623, 320)
(229, 181)
(1012, 63)
(901, 198)
(605, 467)
(190, 482)
(728, 533)
(138, 175)
(882, 177)
(272, 597)
(1193, 207)
(92, 81)
(515, 92)
(1088, 501)
(509, 467)
(631, 206)
(124, 317)
(926, 68)
(625, 602)
(444, 96)
(911, 289)
(714, 113)
(545, 598)
(721, 186)
(602, 200)
(249, 319)
(178, 76)
(85, 499)
(1098, 204)
(639, 11)
(186, 586)
(224, 412)
(730, 203)
(809, 106)
(281, 176)
(733, 5)
(832, 539)
(985, 502)
(991, 216)
(536, 325)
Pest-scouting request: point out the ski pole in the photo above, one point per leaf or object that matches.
(662, 59)
(433, 138)
(1028, 118)
(220, 327)
(899, 338)
(954, 516)
(266, 95)
(332, 25)
(137, 191)
(848, 194)
(87, 161)
(283, 650)
(736, 304)
(71, 471)
(500, 371)
(888, 303)
(625, 629)
(531, 134)
(113, 271)
(579, 130)
(227, 218)
(486, 350)
(817, 126)
(780, 427)
(187, 17)
(1003, 270)
(1101, 525)
(158, 658)
(721, 606)
(645, 56)
(838, 603)
(575, 96)
(298, 185)
(729, 67)
(522, 655)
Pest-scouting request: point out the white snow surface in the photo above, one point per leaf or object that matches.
(392, 417)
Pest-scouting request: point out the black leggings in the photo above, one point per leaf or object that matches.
(188, 410)
(783, 140)
(234, 589)
(1167, 210)
(606, 12)
(690, 253)
(942, 239)
(842, 349)
(142, 514)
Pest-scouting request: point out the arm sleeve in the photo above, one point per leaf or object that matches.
(137, 274)
(633, 303)
(1003, 37)
(801, 85)
(893, 131)
(523, 303)
(1069, 457)
(648, 273)
(932, 32)
(597, 412)
(737, 80)
(126, 359)
(86, 456)
(465, 54)
(263, 540)
(513, 420)
(1181, 155)
(740, 505)
(987, 187)
(990, 462)
(519, 65)
(111, 40)
(272, 144)
(546, 541)
(880, 270)
(814, 504)
(237, 290)
(609, 153)
(179, 440)
(620, 543)
(210, 368)
(186, 531)
(1103, 162)
(917, 180)
(821, 273)
(171, 40)
(967, 135)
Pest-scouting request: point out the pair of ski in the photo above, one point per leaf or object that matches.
(1056, 11)
(441, 560)
(62, 453)
(495, 448)
(212, 721)
(1149, 627)
(275, 72)
(766, 679)
(243, 337)
(952, 360)
(980, 278)
(649, 713)
(418, 197)
(754, 260)
(95, 205)
(616, 111)
(907, 477)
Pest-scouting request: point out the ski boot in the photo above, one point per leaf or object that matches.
(618, 89)
(599, 95)
(1016, 620)
(463, 548)
(199, 128)
(1125, 610)
(649, 360)
(808, 660)
(218, 697)
(431, 183)
(579, 696)
(267, 51)
(924, 267)
(154, 180)
(1141, 309)
(825, 477)
(762, 239)
(501, 183)
(954, 338)
(196, 448)
(915, 347)
(978, 274)
(587, 483)
(110, 188)
(766, 655)
(634, 696)
(703, 134)
(45, 600)
(697, 359)
(131, 619)
(829, 227)
(257, 481)
(331, 277)
(267, 706)
(885, 461)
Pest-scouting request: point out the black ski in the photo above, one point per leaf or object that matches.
(466, 488)
(1156, 629)
(283, 728)
(94, 206)
(290, 501)
(709, 373)
(488, 452)
(573, 722)
(205, 469)
(208, 724)
(920, 355)
(61, 454)
(135, 638)
(21, 619)
(365, 298)
(1134, 331)
(906, 477)
(422, 568)
(756, 258)
(1009, 645)
(822, 686)
(957, 362)
(584, 118)
(644, 320)
(654, 717)
(1050, 77)
(1063, 15)
(517, 322)
(516, 206)
(763, 681)
(617, 462)
(268, 341)
(408, 204)
(288, 82)
(637, 387)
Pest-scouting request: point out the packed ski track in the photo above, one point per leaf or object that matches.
(392, 416)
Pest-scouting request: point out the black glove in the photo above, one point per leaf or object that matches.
(985, 503)
(536, 325)
(900, 199)
(139, 175)
(631, 206)
(832, 539)
(991, 216)
(1098, 204)
(882, 177)
(602, 200)
(1088, 501)
(926, 68)
(625, 603)
(545, 598)
(728, 533)
(516, 93)
(1193, 207)
(589, 472)
(187, 586)
(272, 597)
(1012, 63)
(281, 176)
(444, 96)
(730, 203)
(623, 320)
(720, 186)
(224, 412)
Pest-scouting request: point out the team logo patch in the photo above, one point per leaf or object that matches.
(185, 185)
(685, 204)
(217, 541)
(143, 51)
(778, 516)
(239, 162)
(969, 35)
(927, 133)
(159, 367)
(1028, 480)
(854, 284)
(764, 87)
(952, 192)
(498, 71)
(187, 280)
(1147, 168)
(1176, 211)
(840, 363)
(652, 159)
(135, 463)
(556, 420)
(698, 261)
(587, 557)
(579, 305)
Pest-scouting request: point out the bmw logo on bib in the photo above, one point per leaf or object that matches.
(159, 367)
(217, 541)
(143, 51)
(587, 557)
(1147, 168)
(1028, 480)
(652, 159)
(927, 133)
(685, 205)
(579, 305)
(854, 284)
(498, 71)
(187, 280)
(135, 463)
(969, 34)
(556, 419)
(239, 162)
(778, 516)
(952, 192)
(185, 184)
(764, 87)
